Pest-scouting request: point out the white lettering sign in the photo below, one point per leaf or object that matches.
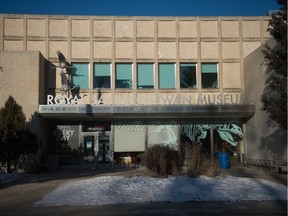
(129, 99)
(63, 99)
(63, 133)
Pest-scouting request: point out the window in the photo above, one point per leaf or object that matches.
(102, 75)
(123, 75)
(166, 76)
(80, 75)
(188, 76)
(209, 75)
(145, 76)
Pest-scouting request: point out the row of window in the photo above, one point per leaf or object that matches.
(145, 75)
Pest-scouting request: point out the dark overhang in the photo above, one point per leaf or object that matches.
(209, 113)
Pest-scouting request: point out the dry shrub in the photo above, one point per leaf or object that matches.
(163, 160)
(212, 170)
(197, 163)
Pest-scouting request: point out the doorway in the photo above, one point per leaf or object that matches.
(104, 151)
(89, 152)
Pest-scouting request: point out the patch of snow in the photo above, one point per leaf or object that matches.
(8, 177)
(120, 190)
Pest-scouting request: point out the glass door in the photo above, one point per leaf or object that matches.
(103, 149)
(89, 149)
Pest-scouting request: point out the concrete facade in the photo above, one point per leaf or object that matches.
(22, 75)
(266, 142)
(30, 43)
(223, 40)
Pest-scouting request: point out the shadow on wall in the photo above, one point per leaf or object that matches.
(276, 143)
(50, 76)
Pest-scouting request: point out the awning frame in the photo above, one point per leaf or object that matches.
(236, 112)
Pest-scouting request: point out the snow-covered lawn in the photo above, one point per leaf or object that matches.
(134, 189)
(8, 177)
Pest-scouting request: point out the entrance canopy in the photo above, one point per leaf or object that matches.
(209, 113)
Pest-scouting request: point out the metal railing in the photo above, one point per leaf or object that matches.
(266, 164)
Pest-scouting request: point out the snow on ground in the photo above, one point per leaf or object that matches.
(8, 177)
(120, 190)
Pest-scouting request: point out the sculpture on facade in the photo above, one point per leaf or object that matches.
(65, 73)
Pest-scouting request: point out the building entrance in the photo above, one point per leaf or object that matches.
(104, 150)
(96, 138)
(96, 147)
(89, 151)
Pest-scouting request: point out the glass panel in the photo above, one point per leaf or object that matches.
(123, 75)
(96, 126)
(164, 134)
(209, 68)
(166, 76)
(80, 75)
(130, 138)
(209, 75)
(102, 75)
(145, 75)
(188, 76)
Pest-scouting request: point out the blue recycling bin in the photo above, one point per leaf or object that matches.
(224, 160)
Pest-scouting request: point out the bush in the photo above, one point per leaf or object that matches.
(212, 170)
(197, 163)
(162, 160)
(16, 140)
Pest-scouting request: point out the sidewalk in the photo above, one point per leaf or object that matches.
(252, 172)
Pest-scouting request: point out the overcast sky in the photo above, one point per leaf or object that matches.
(140, 7)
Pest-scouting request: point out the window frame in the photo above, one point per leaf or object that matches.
(94, 74)
(88, 75)
(217, 74)
(153, 75)
(196, 75)
(159, 75)
(130, 84)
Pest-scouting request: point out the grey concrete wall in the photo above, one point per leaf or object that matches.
(22, 77)
(223, 40)
(19, 78)
(261, 140)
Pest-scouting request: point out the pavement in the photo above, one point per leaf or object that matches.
(253, 172)
(17, 198)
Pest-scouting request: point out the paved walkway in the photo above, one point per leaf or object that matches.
(17, 198)
(253, 172)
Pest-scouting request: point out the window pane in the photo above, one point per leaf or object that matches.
(188, 76)
(80, 75)
(102, 75)
(166, 76)
(209, 68)
(123, 75)
(209, 75)
(145, 75)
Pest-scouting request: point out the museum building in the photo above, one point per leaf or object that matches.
(98, 88)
